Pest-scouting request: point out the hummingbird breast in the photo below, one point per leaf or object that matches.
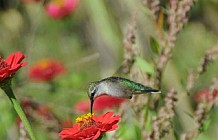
(114, 89)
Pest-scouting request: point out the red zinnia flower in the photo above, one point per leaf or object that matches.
(82, 106)
(60, 8)
(46, 70)
(100, 104)
(11, 65)
(90, 127)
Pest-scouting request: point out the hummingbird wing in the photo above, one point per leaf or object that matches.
(137, 88)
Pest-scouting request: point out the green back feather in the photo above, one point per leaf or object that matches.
(133, 85)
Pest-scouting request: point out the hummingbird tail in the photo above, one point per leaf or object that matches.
(151, 90)
(148, 90)
(154, 91)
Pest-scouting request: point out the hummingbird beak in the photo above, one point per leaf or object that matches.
(91, 103)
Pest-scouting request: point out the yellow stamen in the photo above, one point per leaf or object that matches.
(85, 121)
(84, 118)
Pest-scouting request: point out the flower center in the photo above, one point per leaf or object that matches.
(43, 63)
(85, 121)
(3, 64)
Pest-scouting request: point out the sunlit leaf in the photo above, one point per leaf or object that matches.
(150, 115)
(137, 131)
(154, 45)
(189, 114)
(206, 125)
(126, 133)
(144, 65)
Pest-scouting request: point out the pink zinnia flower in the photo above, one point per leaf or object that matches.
(90, 127)
(58, 9)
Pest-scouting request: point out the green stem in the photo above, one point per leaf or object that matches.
(53, 86)
(18, 109)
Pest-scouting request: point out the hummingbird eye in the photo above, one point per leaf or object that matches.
(93, 92)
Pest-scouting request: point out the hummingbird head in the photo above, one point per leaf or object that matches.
(92, 90)
(92, 93)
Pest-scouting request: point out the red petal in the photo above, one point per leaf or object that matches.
(13, 64)
(15, 58)
(97, 135)
(105, 117)
(46, 70)
(69, 131)
(104, 123)
(115, 119)
(4, 70)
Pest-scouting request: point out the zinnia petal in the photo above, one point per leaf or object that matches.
(97, 135)
(60, 9)
(11, 65)
(15, 59)
(91, 127)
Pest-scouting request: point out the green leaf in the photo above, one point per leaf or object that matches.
(150, 115)
(137, 131)
(144, 65)
(126, 133)
(189, 114)
(205, 125)
(102, 137)
(154, 45)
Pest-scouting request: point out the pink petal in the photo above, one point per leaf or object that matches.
(52, 10)
(58, 11)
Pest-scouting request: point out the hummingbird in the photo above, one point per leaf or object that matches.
(117, 87)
